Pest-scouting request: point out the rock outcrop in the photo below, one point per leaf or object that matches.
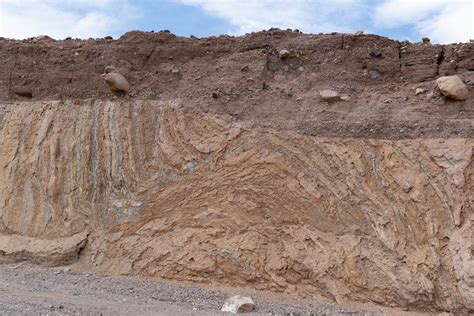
(189, 196)
(264, 186)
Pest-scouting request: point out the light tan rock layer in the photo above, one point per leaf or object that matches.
(192, 196)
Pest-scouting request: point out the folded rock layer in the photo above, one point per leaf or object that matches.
(165, 192)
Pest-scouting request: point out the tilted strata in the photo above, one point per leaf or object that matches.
(162, 190)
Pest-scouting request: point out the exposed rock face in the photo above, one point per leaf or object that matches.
(241, 174)
(71, 69)
(192, 196)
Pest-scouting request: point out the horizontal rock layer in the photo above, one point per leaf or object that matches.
(163, 190)
(163, 65)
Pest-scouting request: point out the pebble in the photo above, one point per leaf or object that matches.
(375, 74)
(284, 53)
(419, 91)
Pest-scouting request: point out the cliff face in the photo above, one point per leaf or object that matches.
(366, 200)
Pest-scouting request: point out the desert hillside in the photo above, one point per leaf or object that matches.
(227, 164)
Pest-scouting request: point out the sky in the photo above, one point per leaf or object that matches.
(443, 21)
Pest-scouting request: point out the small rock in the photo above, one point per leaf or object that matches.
(426, 40)
(345, 98)
(452, 87)
(244, 69)
(359, 33)
(329, 95)
(376, 53)
(23, 92)
(375, 74)
(42, 38)
(284, 53)
(238, 304)
(215, 95)
(108, 37)
(175, 71)
(419, 91)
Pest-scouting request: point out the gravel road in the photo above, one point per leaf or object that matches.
(32, 290)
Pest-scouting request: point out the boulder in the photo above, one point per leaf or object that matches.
(329, 95)
(452, 87)
(115, 80)
(238, 304)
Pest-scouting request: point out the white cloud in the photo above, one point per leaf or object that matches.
(305, 15)
(444, 21)
(59, 19)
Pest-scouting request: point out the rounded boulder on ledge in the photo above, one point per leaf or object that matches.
(452, 87)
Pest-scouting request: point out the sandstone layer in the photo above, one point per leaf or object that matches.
(263, 186)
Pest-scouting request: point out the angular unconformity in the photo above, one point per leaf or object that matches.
(185, 195)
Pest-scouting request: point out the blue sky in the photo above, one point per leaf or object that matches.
(444, 21)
